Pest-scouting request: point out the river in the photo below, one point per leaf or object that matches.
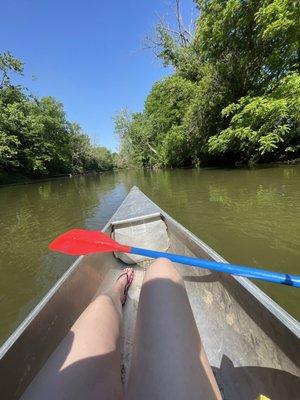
(250, 217)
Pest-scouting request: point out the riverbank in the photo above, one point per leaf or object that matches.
(10, 179)
(7, 179)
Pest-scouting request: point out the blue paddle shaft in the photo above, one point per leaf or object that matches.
(248, 272)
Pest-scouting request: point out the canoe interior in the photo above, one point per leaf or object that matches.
(252, 348)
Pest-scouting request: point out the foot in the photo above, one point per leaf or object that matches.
(123, 283)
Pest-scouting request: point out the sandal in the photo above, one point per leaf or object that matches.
(129, 282)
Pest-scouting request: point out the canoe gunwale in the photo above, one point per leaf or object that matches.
(271, 306)
(38, 308)
(274, 308)
(42, 303)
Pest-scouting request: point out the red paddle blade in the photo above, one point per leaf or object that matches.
(80, 241)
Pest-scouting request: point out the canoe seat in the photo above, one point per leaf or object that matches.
(146, 233)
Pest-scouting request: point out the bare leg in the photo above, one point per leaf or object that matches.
(169, 361)
(86, 364)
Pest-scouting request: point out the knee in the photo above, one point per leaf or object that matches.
(164, 269)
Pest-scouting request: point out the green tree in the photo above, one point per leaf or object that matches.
(134, 139)
(35, 136)
(264, 126)
(145, 138)
(234, 94)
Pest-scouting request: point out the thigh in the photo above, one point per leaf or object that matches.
(168, 357)
(86, 364)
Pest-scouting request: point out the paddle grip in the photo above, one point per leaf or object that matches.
(247, 272)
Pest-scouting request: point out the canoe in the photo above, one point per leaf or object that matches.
(251, 342)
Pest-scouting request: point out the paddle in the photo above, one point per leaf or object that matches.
(79, 241)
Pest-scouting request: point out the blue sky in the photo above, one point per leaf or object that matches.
(87, 54)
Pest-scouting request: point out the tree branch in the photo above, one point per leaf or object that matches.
(151, 148)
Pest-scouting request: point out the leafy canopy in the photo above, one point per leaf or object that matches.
(234, 94)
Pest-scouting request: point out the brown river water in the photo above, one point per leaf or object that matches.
(251, 217)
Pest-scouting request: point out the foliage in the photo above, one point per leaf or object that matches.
(234, 94)
(143, 134)
(8, 64)
(263, 125)
(133, 137)
(35, 136)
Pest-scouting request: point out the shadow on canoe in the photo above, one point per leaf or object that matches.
(270, 382)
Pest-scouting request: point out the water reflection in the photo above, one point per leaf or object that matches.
(30, 217)
(249, 216)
